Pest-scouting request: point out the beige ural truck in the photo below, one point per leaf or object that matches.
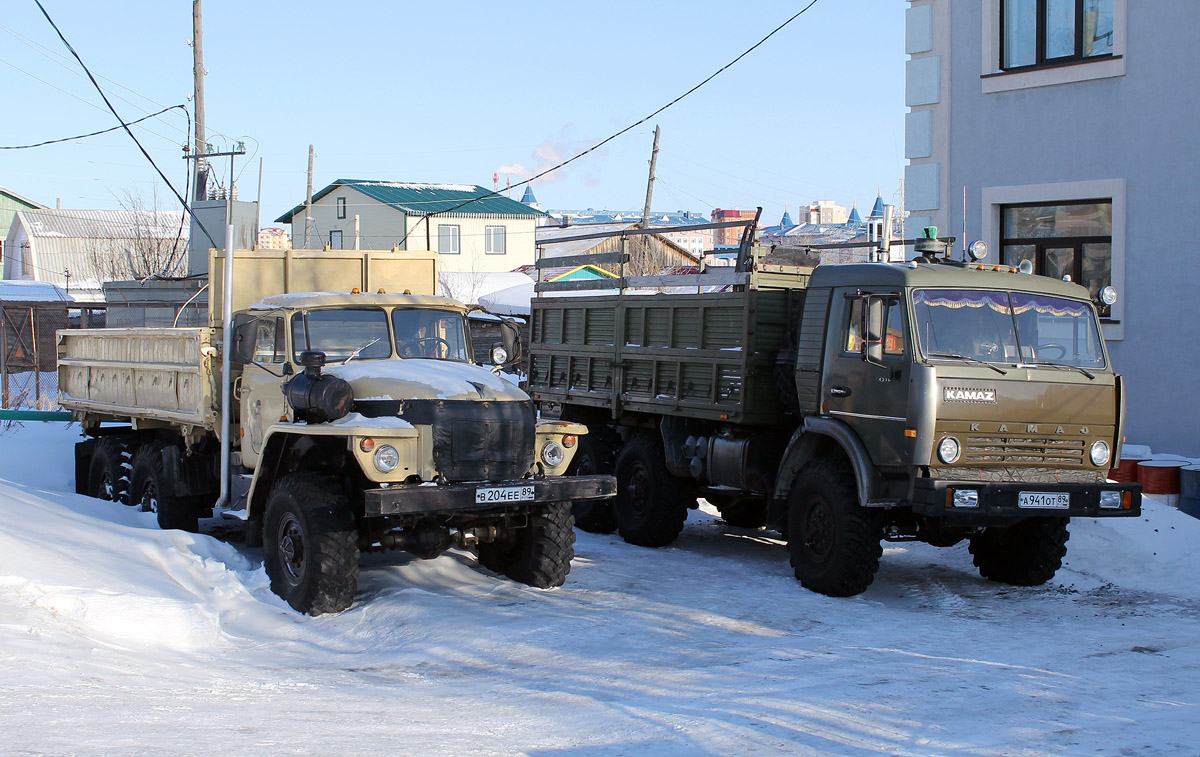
(358, 421)
(843, 405)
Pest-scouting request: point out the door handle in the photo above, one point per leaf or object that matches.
(839, 391)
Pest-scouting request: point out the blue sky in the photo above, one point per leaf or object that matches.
(454, 92)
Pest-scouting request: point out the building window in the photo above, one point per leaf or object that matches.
(26, 263)
(335, 239)
(448, 238)
(1069, 239)
(1037, 33)
(493, 240)
(341, 207)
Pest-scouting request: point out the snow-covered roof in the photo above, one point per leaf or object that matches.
(31, 291)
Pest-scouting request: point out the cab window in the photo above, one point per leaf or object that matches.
(268, 341)
(342, 333)
(893, 317)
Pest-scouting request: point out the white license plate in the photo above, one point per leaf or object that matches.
(1044, 500)
(499, 494)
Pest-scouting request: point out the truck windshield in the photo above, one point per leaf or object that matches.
(341, 333)
(421, 332)
(1006, 327)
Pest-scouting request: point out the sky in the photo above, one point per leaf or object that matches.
(457, 92)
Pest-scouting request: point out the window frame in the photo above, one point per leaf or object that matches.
(488, 237)
(341, 239)
(341, 207)
(457, 234)
(1039, 53)
(1076, 243)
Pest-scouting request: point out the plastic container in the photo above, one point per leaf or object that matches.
(1189, 490)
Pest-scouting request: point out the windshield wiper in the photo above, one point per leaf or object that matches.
(355, 354)
(995, 368)
(1091, 376)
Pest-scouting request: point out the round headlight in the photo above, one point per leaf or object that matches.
(948, 450)
(977, 250)
(553, 454)
(386, 459)
(1108, 295)
(499, 355)
(1100, 454)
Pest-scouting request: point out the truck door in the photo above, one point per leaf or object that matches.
(261, 401)
(871, 398)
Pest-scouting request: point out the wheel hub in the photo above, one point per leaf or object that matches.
(818, 529)
(291, 549)
(638, 490)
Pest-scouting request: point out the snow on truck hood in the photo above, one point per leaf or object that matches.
(417, 378)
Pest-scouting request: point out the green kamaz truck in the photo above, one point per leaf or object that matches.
(843, 405)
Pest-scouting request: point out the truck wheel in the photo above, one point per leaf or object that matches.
(651, 504)
(740, 512)
(595, 455)
(540, 553)
(110, 471)
(148, 492)
(834, 543)
(310, 544)
(1028, 553)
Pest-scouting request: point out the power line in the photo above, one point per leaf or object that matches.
(636, 124)
(94, 133)
(125, 126)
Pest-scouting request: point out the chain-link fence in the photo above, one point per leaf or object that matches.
(30, 391)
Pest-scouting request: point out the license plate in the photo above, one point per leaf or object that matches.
(1044, 500)
(499, 494)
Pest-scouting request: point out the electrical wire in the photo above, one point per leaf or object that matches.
(634, 125)
(125, 126)
(95, 133)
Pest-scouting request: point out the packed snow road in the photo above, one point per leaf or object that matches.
(118, 638)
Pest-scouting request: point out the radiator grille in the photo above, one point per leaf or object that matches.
(1024, 450)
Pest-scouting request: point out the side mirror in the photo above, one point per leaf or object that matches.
(873, 330)
(244, 328)
(510, 336)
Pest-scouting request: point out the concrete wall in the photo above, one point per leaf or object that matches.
(1122, 127)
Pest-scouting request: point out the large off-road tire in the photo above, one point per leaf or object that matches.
(1028, 553)
(834, 543)
(740, 512)
(310, 544)
(595, 455)
(538, 554)
(111, 469)
(651, 505)
(148, 492)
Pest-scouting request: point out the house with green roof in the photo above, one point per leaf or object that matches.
(10, 203)
(471, 228)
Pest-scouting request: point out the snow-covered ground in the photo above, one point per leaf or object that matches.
(116, 637)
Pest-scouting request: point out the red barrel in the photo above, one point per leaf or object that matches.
(1159, 476)
(1126, 470)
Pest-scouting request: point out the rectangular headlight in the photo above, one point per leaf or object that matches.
(1110, 500)
(966, 498)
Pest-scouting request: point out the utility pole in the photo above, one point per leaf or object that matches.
(650, 181)
(308, 197)
(201, 182)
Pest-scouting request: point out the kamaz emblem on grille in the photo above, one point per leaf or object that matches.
(953, 394)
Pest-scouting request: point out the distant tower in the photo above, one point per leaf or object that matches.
(785, 223)
(855, 219)
(877, 211)
(529, 199)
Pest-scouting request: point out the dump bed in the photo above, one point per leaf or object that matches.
(708, 356)
(160, 374)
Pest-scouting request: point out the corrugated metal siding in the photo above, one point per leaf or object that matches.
(810, 349)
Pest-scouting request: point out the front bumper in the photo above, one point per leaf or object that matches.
(461, 497)
(999, 500)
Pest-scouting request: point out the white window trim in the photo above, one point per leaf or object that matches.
(457, 238)
(994, 198)
(487, 239)
(996, 80)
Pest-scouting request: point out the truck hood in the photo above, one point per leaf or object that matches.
(420, 379)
